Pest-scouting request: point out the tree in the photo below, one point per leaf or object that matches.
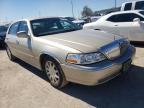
(87, 11)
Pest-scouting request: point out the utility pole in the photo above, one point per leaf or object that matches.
(115, 3)
(6, 20)
(72, 8)
(39, 14)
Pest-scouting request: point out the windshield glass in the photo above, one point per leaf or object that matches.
(41, 27)
(3, 29)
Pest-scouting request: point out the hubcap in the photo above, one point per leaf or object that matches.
(52, 72)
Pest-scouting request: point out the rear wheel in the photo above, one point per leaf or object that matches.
(11, 57)
(54, 73)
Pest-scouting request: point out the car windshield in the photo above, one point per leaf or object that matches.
(48, 26)
(3, 29)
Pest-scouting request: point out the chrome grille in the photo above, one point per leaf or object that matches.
(115, 49)
(111, 50)
(123, 46)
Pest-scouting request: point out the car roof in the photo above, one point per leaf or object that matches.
(30, 19)
(120, 12)
(36, 18)
(130, 11)
(132, 1)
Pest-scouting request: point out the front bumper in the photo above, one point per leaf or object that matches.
(98, 73)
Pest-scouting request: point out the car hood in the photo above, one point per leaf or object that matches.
(82, 40)
(78, 21)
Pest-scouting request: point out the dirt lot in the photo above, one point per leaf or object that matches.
(23, 86)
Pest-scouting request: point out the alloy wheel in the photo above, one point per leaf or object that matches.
(52, 72)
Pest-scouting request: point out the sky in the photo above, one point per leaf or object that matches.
(17, 9)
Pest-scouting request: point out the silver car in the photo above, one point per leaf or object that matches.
(67, 53)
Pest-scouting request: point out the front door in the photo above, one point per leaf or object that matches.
(11, 38)
(24, 45)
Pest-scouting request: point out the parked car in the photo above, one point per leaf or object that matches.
(80, 22)
(133, 5)
(3, 30)
(67, 53)
(129, 24)
(95, 18)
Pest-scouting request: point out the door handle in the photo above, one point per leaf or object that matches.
(116, 25)
(7, 38)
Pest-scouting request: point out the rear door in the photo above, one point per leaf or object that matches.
(11, 38)
(118, 26)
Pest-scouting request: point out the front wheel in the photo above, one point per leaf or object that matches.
(55, 74)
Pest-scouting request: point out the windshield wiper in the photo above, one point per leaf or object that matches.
(68, 30)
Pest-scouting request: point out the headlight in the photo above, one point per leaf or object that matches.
(85, 58)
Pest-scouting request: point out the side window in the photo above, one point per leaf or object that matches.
(23, 26)
(139, 5)
(124, 17)
(13, 29)
(137, 16)
(128, 6)
(129, 17)
(114, 18)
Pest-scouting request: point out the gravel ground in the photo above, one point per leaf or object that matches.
(23, 86)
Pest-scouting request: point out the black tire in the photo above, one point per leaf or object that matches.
(61, 81)
(2, 45)
(11, 57)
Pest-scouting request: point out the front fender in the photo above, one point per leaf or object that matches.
(51, 55)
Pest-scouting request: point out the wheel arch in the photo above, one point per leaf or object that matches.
(48, 55)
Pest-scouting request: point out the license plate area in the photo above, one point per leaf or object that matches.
(126, 65)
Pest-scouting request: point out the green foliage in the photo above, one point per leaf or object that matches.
(87, 11)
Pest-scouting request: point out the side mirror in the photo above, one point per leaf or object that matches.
(22, 34)
(136, 20)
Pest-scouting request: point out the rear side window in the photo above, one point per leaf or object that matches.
(13, 29)
(142, 12)
(23, 26)
(124, 17)
(139, 5)
(128, 6)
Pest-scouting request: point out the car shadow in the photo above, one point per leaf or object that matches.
(32, 69)
(2, 48)
(138, 44)
(125, 91)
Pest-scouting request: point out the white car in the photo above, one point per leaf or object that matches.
(129, 24)
(133, 5)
